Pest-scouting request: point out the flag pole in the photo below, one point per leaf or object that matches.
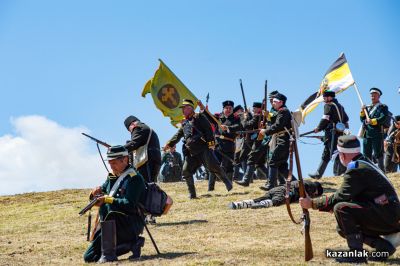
(361, 101)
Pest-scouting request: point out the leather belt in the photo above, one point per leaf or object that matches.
(224, 138)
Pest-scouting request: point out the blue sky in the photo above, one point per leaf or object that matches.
(83, 64)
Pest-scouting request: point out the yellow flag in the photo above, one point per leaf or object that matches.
(168, 92)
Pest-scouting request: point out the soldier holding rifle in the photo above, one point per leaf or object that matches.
(198, 147)
(366, 205)
(120, 222)
(333, 123)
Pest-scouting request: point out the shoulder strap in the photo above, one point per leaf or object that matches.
(148, 139)
(337, 109)
(120, 179)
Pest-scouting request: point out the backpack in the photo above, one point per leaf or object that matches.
(156, 201)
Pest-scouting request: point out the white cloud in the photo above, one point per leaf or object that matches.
(44, 155)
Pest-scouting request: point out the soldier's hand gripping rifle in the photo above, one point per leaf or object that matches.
(90, 205)
(264, 112)
(305, 219)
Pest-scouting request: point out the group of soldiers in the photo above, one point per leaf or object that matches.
(258, 143)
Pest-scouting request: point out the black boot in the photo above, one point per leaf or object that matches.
(381, 245)
(108, 242)
(230, 176)
(137, 248)
(191, 187)
(227, 182)
(355, 243)
(247, 175)
(211, 182)
(262, 172)
(236, 172)
(380, 163)
(272, 176)
(320, 171)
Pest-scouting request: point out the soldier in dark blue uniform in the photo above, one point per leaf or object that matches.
(171, 168)
(392, 147)
(225, 135)
(121, 223)
(198, 147)
(374, 127)
(140, 135)
(366, 205)
(333, 122)
(252, 149)
(279, 129)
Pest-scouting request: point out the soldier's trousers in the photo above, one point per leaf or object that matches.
(390, 166)
(126, 233)
(246, 149)
(258, 154)
(338, 168)
(208, 160)
(226, 159)
(373, 145)
(367, 218)
(150, 171)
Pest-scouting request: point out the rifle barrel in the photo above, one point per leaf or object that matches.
(88, 207)
(97, 140)
(244, 98)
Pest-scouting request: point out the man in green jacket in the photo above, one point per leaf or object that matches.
(373, 135)
(366, 205)
(120, 222)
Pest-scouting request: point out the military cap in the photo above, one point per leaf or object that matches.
(237, 108)
(348, 144)
(328, 94)
(257, 104)
(228, 103)
(271, 94)
(280, 97)
(115, 152)
(372, 90)
(128, 121)
(186, 102)
(397, 118)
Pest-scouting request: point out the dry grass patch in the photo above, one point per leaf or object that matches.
(44, 228)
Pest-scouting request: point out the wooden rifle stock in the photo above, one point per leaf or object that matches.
(305, 219)
(264, 113)
(308, 252)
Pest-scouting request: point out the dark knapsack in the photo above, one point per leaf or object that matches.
(156, 201)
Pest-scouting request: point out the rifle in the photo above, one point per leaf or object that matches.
(247, 131)
(98, 148)
(97, 140)
(244, 98)
(321, 138)
(305, 219)
(89, 226)
(264, 107)
(306, 133)
(89, 206)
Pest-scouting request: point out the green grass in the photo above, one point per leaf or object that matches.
(45, 228)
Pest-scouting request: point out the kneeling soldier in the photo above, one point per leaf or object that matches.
(366, 205)
(121, 223)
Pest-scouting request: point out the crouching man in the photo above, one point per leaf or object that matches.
(120, 222)
(366, 205)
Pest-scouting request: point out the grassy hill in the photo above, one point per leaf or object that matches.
(44, 228)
